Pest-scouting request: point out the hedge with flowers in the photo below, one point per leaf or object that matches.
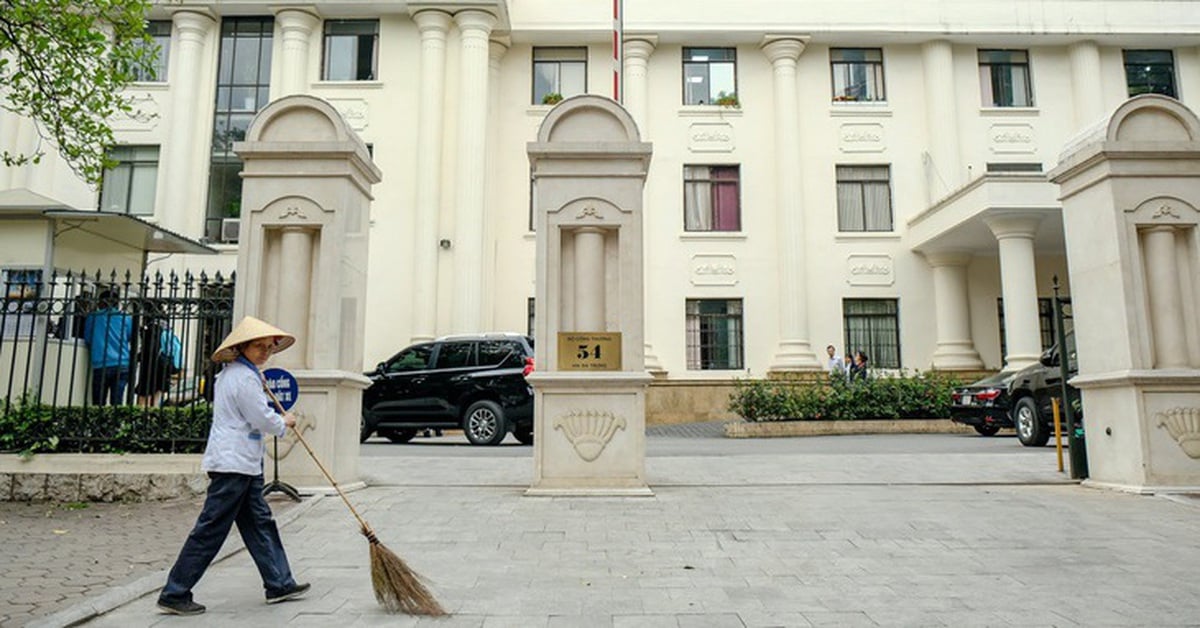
(901, 396)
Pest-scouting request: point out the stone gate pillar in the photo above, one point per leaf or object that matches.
(589, 167)
(302, 264)
(1131, 211)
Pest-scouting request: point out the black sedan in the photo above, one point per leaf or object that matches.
(984, 405)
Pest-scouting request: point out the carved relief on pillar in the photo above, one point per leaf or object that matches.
(1183, 424)
(1164, 231)
(589, 431)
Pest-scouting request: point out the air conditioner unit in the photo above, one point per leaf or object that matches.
(229, 229)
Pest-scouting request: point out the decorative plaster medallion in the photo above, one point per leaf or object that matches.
(355, 111)
(305, 424)
(144, 116)
(710, 137)
(1011, 137)
(292, 212)
(589, 212)
(589, 431)
(861, 137)
(714, 270)
(870, 270)
(1165, 211)
(1183, 424)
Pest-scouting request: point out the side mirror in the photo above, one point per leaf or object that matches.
(379, 367)
(1049, 358)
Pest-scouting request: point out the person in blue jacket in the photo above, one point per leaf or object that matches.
(108, 333)
(233, 459)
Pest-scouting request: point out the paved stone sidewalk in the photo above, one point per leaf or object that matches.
(58, 554)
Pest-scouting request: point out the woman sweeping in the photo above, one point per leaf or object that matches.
(233, 459)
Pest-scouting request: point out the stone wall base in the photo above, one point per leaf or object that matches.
(100, 477)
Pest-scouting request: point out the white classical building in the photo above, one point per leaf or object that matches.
(867, 174)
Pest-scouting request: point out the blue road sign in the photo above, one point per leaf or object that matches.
(284, 385)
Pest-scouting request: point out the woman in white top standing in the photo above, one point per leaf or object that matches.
(233, 459)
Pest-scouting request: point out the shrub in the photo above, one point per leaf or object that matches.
(904, 396)
(30, 428)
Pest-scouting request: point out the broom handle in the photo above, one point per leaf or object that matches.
(317, 460)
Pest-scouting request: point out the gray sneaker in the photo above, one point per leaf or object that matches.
(296, 592)
(180, 608)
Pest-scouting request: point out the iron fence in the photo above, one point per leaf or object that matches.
(73, 344)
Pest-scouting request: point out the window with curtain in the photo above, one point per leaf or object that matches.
(1004, 78)
(558, 71)
(864, 198)
(129, 186)
(707, 74)
(714, 334)
(351, 50)
(1150, 72)
(873, 327)
(711, 198)
(160, 36)
(857, 74)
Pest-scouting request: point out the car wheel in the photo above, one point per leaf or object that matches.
(484, 423)
(364, 429)
(524, 435)
(1030, 429)
(988, 429)
(398, 436)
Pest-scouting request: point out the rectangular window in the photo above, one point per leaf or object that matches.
(711, 198)
(558, 73)
(708, 74)
(351, 50)
(1150, 72)
(864, 198)
(243, 85)
(714, 334)
(857, 74)
(1014, 166)
(529, 311)
(1045, 324)
(160, 33)
(452, 355)
(1004, 78)
(873, 327)
(129, 186)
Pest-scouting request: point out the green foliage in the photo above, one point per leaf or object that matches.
(728, 100)
(65, 64)
(552, 98)
(29, 428)
(922, 395)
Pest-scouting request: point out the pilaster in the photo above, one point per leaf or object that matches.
(1086, 91)
(182, 208)
(943, 169)
(296, 25)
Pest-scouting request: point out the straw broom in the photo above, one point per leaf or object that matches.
(397, 587)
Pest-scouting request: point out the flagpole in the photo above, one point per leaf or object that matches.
(618, 47)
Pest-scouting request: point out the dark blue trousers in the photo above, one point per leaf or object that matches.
(232, 498)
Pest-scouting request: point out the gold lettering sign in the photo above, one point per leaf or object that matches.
(589, 351)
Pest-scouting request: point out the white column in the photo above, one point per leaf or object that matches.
(496, 51)
(297, 26)
(9, 123)
(433, 26)
(943, 165)
(637, 93)
(589, 279)
(794, 351)
(25, 144)
(1086, 90)
(1018, 286)
(1166, 307)
(475, 27)
(955, 348)
(181, 211)
(295, 252)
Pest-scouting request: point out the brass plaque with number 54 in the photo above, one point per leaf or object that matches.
(589, 351)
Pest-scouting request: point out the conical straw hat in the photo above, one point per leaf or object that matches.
(248, 329)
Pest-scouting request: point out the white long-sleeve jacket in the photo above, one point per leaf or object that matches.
(242, 414)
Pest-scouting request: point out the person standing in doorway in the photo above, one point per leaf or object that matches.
(233, 459)
(108, 333)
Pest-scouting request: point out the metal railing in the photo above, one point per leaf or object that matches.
(75, 342)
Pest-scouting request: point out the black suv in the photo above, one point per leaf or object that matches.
(1032, 389)
(474, 382)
